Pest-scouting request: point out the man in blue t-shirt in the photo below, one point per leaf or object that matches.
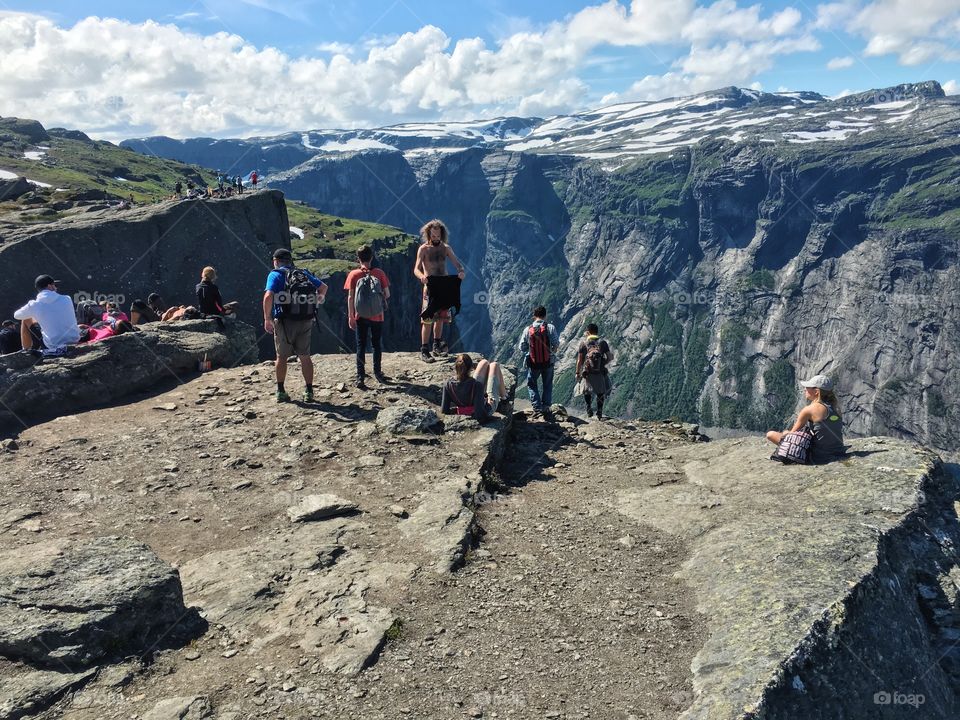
(289, 317)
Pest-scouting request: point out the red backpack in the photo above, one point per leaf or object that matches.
(539, 342)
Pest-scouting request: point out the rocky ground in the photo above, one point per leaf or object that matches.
(559, 590)
(357, 558)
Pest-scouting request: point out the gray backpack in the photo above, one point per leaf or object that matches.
(369, 302)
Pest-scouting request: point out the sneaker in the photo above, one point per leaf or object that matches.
(282, 396)
(381, 378)
(589, 411)
(360, 384)
(308, 395)
(425, 354)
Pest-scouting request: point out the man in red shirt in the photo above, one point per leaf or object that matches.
(368, 290)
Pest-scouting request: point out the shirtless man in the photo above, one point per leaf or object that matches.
(432, 259)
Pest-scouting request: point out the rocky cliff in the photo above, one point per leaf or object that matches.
(161, 248)
(728, 244)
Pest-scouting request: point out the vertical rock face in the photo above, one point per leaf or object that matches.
(157, 248)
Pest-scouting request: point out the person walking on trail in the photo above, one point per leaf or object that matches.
(539, 344)
(368, 290)
(593, 356)
(432, 257)
(53, 312)
(289, 308)
(178, 190)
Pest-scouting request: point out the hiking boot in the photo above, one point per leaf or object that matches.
(360, 384)
(308, 395)
(425, 354)
(503, 407)
(282, 396)
(440, 348)
(381, 378)
(589, 411)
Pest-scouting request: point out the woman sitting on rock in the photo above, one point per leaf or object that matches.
(821, 418)
(209, 300)
(464, 395)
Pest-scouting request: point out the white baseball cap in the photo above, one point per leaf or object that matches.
(818, 381)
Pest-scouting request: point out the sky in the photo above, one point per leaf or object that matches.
(239, 68)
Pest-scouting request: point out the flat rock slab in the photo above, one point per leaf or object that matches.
(320, 507)
(29, 693)
(181, 708)
(777, 551)
(72, 603)
(407, 420)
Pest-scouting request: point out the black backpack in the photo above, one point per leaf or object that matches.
(298, 299)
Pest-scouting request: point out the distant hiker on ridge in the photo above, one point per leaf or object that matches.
(253, 180)
(539, 344)
(593, 356)
(238, 183)
(368, 290)
(289, 309)
(431, 262)
(53, 312)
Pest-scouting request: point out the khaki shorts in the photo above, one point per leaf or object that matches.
(292, 337)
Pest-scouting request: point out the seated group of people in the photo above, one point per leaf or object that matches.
(50, 322)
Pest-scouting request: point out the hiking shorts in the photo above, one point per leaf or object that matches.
(292, 337)
(441, 315)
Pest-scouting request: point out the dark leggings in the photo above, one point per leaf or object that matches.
(588, 397)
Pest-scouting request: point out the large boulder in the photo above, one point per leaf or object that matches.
(14, 188)
(405, 420)
(76, 603)
(29, 129)
(116, 367)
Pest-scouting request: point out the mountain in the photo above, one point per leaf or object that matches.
(728, 244)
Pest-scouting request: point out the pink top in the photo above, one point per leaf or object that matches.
(101, 333)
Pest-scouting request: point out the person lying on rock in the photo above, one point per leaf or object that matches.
(156, 303)
(141, 313)
(90, 334)
(53, 312)
(464, 395)
(209, 300)
(113, 313)
(821, 418)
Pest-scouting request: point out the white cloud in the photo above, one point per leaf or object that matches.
(916, 31)
(117, 79)
(951, 87)
(839, 63)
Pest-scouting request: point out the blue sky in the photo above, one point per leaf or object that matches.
(356, 63)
